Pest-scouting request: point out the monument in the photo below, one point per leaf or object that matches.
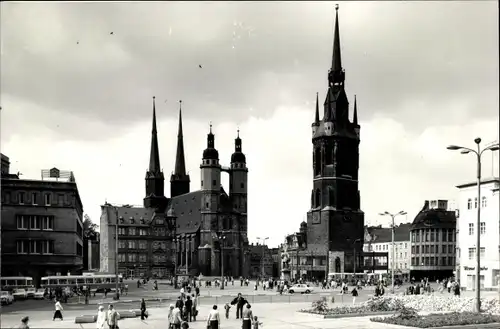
(285, 268)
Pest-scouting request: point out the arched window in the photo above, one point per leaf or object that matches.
(484, 203)
(469, 204)
(475, 202)
(317, 161)
(331, 196)
(318, 198)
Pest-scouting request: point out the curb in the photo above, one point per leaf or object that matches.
(353, 315)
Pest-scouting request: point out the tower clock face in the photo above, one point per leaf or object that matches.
(316, 219)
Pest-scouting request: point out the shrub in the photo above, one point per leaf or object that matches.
(320, 306)
(439, 320)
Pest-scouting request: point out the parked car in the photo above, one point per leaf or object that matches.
(300, 288)
(19, 294)
(39, 294)
(6, 298)
(30, 292)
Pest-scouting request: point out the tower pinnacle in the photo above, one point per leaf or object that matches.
(179, 181)
(154, 158)
(355, 115)
(336, 74)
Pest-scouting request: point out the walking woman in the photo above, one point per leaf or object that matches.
(58, 312)
(213, 318)
(247, 317)
(144, 314)
(101, 318)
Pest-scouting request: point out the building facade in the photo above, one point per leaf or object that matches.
(433, 242)
(210, 225)
(91, 253)
(262, 264)
(381, 241)
(468, 205)
(335, 222)
(42, 228)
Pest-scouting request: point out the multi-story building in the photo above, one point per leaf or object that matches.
(335, 222)
(468, 205)
(192, 232)
(381, 241)
(42, 226)
(433, 242)
(261, 261)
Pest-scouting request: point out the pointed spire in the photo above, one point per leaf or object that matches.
(355, 115)
(154, 158)
(210, 138)
(316, 117)
(336, 74)
(237, 142)
(180, 163)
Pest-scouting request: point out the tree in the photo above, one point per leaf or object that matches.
(89, 228)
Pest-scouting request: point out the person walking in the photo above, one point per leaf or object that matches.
(195, 306)
(112, 317)
(101, 318)
(176, 318)
(189, 308)
(170, 318)
(239, 301)
(144, 313)
(24, 323)
(213, 318)
(58, 311)
(247, 317)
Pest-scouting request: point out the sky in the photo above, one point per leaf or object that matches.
(76, 97)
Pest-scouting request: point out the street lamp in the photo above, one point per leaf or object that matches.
(393, 216)
(478, 153)
(263, 246)
(222, 239)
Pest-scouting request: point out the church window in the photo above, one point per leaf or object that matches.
(214, 182)
(242, 185)
(207, 205)
(318, 198)
(317, 161)
(329, 156)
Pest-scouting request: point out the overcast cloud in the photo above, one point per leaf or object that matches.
(76, 97)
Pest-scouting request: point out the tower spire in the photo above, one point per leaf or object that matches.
(316, 117)
(180, 163)
(355, 115)
(154, 158)
(336, 74)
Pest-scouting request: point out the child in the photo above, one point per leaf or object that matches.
(227, 307)
(256, 323)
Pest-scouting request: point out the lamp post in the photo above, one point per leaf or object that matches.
(117, 284)
(393, 216)
(222, 239)
(478, 153)
(262, 259)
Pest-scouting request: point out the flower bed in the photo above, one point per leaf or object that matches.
(439, 320)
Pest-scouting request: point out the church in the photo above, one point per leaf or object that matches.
(191, 232)
(331, 241)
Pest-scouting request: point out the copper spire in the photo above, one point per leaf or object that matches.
(180, 163)
(154, 158)
(336, 58)
(355, 115)
(316, 117)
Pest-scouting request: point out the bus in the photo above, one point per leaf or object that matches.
(9, 283)
(94, 281)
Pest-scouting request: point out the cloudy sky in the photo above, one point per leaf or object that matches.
(76, 97)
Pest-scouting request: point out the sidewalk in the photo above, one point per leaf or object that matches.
(274, 316)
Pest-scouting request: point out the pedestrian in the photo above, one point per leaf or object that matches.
(213, 318)
(170, 319)
(101, 318)
(189, 308)
(227, 308)
(24, 323)
(144, 313)
(176, 318)
(58, 312)
(256, 323)
(247, 318)
(112, 317)
(239, 301)
(354, 294)
(195, 307)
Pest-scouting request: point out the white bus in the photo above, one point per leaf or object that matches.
(96, 281)
(9, 283)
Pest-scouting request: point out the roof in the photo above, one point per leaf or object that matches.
(434, 218)
(383, 234)
(187, 208)
(485, 180)
(131, 215)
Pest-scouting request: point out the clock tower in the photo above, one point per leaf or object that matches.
(335, 220)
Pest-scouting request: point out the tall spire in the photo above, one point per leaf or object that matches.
(154, 158)
(180, 163)
(210, 138)
(355, 115)
(336, 74)
(316, 117)
(237, 142)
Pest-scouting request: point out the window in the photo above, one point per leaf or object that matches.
(47, 247)
(469, 203)
(406, 245)
(22, 222)
(437, 235)
(443, 261)
(143, 258)
(131, 230)
(450, 249)
(418, 236)
(131, 245)
(432, 235)
(132, 258)
(214, 182)
(444, 249)
(472, 253)
(21, 197)
(445, 235)
(143, 245)
(34, 200)
(121, 244)
(482, 228)
(202, 183)
(451, 235)
(483, 202)
(475, 202)
(35, 222)
(427, 249)
(451, 261)
(22, 246)
(432, 249)
(35, 247)
(412, 249)
(471, 228)
(47, 199)
(482, 252)
(242, 185)
(121, 258)
(426, 235)
(47, 223)
(159, 221)
(122, 231)
(143, 231)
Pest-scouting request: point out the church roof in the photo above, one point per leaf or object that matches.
(187, 208)
(131, 215)
(383, 234)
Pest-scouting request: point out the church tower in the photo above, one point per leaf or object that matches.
(179, 181)
(210, 200)
(155, 181)
(335, 216)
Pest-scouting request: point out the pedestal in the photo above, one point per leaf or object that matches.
(285, 274)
